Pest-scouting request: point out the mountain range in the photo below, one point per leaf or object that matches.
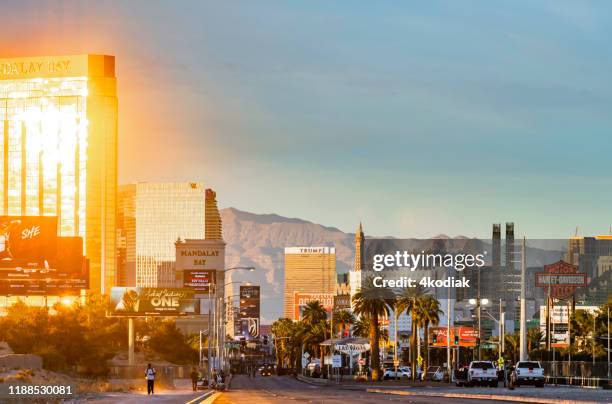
(259, 240)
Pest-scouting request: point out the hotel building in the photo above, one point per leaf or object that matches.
(58, 134)
(308, 270)
(151, 218)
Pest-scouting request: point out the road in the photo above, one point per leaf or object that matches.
(283, 389)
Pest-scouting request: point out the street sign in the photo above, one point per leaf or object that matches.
(305, 362)
(306, 355)
(327, 360)
(336, 361)
(396, 363)
(420, 360)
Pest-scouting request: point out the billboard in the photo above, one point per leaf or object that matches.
(300, 300)
(250, 305)
(141, 302)
(35, 261)
(467, 336)
(199, 280)
(27, 241)
(560, 279)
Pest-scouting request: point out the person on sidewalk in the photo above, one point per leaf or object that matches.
(194, 379)
(150, 376)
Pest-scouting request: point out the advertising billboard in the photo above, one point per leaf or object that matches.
(467, 336)
(199, 280)
(27, 241)
(250, 305)
(142, 302)
(35, 261)
(300, 300)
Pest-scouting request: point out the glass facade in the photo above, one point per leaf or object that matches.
(58, 136)
(151, 218)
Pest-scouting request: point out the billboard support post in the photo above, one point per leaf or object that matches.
(523, 325)
(131, 341)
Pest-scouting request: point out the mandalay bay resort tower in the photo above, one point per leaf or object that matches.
(58, 134)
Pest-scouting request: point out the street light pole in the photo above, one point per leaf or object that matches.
(523, 325)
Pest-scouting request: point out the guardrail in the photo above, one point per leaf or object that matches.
(578, 381)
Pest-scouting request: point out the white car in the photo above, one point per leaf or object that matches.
(482, 373)
(403, 372)
(435, 373)
(529, 372)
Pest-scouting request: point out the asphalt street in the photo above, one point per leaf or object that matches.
(283, 389)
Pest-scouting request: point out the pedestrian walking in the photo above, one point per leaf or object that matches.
(194, 379)
(150, 376)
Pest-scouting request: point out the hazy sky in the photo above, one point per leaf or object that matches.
(417, 119)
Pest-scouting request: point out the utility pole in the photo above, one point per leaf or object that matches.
(448, 327)
(609, 373)
(523, 329)
(131, 341)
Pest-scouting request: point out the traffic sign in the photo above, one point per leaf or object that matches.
(420, 360)
(336, 361)
(306, 355)
(396, 363)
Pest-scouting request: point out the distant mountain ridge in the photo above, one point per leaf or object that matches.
(259, 240)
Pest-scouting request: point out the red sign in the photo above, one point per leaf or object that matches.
(467, 336)
(561, 279)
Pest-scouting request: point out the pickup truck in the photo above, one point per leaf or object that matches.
(529, 372)
(482, 373)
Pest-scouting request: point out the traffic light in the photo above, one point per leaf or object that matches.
(435, 339)
(456, 340)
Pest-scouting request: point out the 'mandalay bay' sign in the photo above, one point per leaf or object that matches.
(200, 254)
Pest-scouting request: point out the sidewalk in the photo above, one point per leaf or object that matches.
(547, 395)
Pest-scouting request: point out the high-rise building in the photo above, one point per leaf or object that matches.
(151, 218)
(58, 132)
(308, 270)
(213, 227)
(359, 264)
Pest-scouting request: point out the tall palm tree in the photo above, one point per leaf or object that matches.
(313, 313)
(343, 318)
(369, 302)
(430, 315)
(410, 302)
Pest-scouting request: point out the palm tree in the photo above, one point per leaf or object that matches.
(512, 346)
(343, 318)
(410, 302)
(361, 327)
(430, 315)
(369, 302)
(283, 330)
(313, 313)
(534, 337)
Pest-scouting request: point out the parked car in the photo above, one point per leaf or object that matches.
(434, 373)
(403, 372)
(529, 372)
(461, 377)
(482, 373)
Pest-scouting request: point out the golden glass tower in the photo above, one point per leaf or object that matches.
(308, 270)
(58, 134)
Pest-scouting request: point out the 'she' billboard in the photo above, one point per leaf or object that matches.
(34, 261)
(27, 241)
(141, 302)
